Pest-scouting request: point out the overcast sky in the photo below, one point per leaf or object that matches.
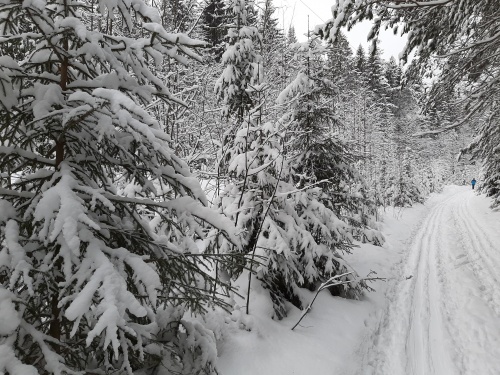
(319, 12)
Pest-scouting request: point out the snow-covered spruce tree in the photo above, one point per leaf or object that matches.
(274, 218)
(357, 114)
(393, 73)
(340, 62)
(238, 88)
(323, 129)
(253, 199)
(332, 203)
(399, 121)
(377, 119)
(213, 17)
(273, 52)
(404, 191)
(98, 215)
(242, 62)
(273, 43)
(242, 71)
(359, 58)
(290, 230)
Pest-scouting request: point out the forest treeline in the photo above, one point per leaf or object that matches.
(162, 159)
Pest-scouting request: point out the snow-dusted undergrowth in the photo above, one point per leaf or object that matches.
(437, 312)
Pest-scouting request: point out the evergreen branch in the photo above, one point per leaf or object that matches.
(7, 150)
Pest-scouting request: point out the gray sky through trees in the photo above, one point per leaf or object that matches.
(319, 11)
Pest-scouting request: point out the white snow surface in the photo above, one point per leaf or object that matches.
(437, 313)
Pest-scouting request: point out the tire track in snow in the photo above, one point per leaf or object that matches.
(426, 352)
(410, 336)
(445, 320)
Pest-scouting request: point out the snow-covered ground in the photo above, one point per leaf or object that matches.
(437, 313)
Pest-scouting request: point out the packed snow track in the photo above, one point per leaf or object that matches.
(443, 310)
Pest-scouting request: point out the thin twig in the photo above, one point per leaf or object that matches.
(330, 282)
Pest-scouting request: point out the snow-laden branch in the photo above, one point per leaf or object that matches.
(15, 193)
(405, 4)
(6, 150)
(304, 188)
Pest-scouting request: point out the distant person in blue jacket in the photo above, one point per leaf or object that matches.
(473, 182)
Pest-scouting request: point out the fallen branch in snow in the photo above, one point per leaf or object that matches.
(328, 283)
(305, 187)
(368, 278)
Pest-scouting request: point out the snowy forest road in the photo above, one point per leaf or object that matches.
(443, 312)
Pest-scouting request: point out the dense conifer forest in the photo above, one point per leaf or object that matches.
(161, 160)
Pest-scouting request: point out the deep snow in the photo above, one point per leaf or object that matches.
(438, 312)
